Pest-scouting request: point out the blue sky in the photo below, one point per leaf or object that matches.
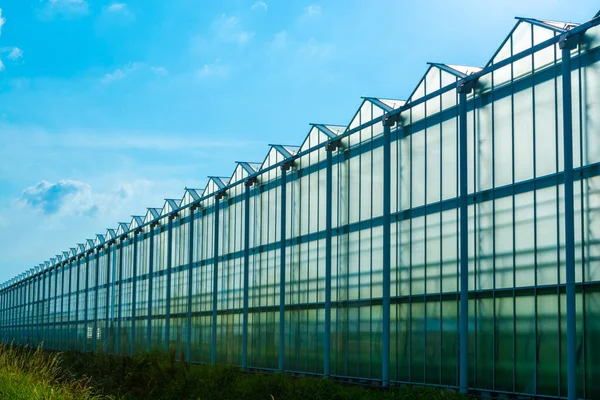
(108, 107)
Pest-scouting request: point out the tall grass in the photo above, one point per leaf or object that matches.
(27, 373)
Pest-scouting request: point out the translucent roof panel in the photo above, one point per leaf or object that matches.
(110, 234)
(386, 104)
(320, 133)
(366, 112)
(122, 229)
(215, 184)
(152, 214)
(525, 34)
(438, 76)
(136, 222)
(189, 196)
(170, 205)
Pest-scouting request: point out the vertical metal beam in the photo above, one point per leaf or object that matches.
(76, 322)
(213, 347)
(387, 183)
(464, 87)
(247, 184)
(119, 298)
(133, 292)
(168, 300)
(331, 147)
(150, 283)
(62, 303)
(54, 335)
(95, 326)
(190, 284)
(69, 305)
(107, 302)
(87, 287)
(567, 43)
(283, 217)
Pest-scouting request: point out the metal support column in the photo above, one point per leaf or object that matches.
(76, 322)
(54, 335)
(283, 217)
(388, 122)
(567, 43)
(464, 87)
(107, 302)
(248, 184)
(134, 291)
(150, 283)
(169, 265)
(190, 283)
(213, 347)
(62, 303)
(119, 297)
(87, 287)
(331, 147)
(69, 305)
(95, 325)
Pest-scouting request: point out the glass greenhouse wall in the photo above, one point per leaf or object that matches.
(450, 239)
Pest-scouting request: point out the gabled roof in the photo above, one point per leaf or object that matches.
(170, 205)
(439, 75)
(66, 255)
(136, 222)
(59, 258)
(110, 234)
(320, 133)
(249, 167)
(385, 104)
(80, 248)
(152, 214)
(215, 184)
(73, 251)
(99, 240)
(526, 33)
(189, 196)
(369, 109)
(122, 229)
(89, 244)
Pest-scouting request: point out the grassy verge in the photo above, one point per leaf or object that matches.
(36, 374)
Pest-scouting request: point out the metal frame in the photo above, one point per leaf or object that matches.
(28, 308)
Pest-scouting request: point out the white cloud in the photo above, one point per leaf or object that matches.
(131, 68)
(313, 10)
(261, 5)
(75, 198)
(159, 70)
(215, 70)
(280, 41)
(15, 53)
(117, 75)
(2, 21)
(228, 29)
(66, 7)
(117, 7)
(1, 66)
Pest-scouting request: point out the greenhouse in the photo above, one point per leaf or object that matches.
(449, 239)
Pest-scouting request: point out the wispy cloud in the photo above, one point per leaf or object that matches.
(65, 7)
(117, 7)
(229, 29)
(130, 69)
(159, 70)
(15, 53)
(313, 10)
(76, 198)
(2, 21)
(1, 66)
(259, 5)
(213, 70)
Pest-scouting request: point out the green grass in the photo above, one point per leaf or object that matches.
(27, 373)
